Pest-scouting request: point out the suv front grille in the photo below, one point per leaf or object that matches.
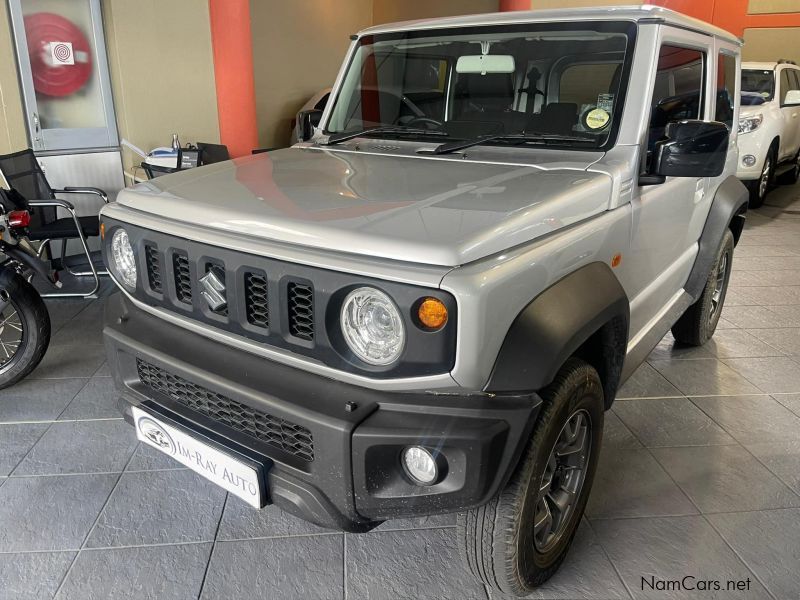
(301, 310)
(255, 300)
(274, 431)
(183, 278)
(153, 269)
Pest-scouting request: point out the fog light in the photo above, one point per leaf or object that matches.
(749, 160)
(420, 465)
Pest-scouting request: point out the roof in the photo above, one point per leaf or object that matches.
(765, 66)
(646, 12)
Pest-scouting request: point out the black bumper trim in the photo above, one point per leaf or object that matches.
(355, 480)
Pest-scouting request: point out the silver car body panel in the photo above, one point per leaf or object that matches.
(495, 226)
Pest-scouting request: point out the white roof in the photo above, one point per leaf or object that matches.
(761, 66)
(608, 13)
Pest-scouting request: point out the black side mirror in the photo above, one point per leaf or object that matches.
(306, 121)
(690, 149)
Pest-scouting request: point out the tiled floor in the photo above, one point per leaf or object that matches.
(699, 476)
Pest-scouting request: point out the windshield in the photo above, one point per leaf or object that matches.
(758, 86)
(565, 80)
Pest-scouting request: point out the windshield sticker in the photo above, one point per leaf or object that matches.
(606, 102)
(597, 119)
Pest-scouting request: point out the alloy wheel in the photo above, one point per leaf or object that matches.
(719, 287)
(562, 481)
(11, 330)
(763, 182)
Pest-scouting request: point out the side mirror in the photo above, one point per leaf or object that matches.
(690, 149)
(306, 121)
(792, 98)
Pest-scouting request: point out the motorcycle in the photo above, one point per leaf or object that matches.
(24, 320)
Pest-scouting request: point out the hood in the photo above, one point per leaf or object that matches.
(437, 211)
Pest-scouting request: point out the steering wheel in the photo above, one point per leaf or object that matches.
(423, 121)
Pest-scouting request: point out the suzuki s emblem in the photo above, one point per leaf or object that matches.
(156, 434)
(213, 291)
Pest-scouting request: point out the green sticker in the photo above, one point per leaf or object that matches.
(597, 118)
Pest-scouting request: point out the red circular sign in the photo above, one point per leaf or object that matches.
(49, 77)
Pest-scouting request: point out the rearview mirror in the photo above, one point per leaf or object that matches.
(690, 149)
(485, 63)
(306, 121)
(792, 98)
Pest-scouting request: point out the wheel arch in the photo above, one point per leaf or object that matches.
(585, 314)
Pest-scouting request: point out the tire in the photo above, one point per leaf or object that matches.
(498, 540)
(25, 311)
(790, 177)
(698, 323)
(759, 188)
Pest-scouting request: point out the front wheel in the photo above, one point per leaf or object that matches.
(24, 328)
(760, 187)
(518, 540)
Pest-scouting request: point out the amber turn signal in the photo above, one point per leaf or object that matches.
(102, 231)
(432, 313)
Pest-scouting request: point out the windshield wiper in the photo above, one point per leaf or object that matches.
(520, 138)
(349, 135)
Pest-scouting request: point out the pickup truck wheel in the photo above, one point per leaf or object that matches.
(518, 540)
(698, 323)
(759, 188)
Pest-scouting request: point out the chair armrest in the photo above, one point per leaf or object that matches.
(83, 190)
(54, 202)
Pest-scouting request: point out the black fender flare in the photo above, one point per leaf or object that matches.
(727, 211)
(557, 324)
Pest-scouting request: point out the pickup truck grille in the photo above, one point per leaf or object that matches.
(274, 431)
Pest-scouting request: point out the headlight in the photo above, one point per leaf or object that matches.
(750, 123)
(123, 260)
(372, 326)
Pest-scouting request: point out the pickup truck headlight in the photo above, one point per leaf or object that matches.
(123, 260)
(750, 123)
(372, 326)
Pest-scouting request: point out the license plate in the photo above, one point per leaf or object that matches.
(226, 471)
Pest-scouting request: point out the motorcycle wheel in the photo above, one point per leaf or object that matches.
(24, 328)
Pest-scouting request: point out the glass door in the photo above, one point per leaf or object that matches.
(63, 69)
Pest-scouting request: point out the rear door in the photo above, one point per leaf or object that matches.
(790, 135)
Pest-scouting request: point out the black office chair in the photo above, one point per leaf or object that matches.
(22, 172)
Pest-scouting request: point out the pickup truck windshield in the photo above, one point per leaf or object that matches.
(565, 80)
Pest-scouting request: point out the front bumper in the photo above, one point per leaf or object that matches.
(352, 478)
(752, 144)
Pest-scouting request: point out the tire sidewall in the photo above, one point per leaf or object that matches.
(585, 395)
(727, 245)
(35, 319)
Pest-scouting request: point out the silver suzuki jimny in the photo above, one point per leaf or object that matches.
(427, 304)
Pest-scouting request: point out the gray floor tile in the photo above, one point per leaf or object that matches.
(725, 478)
(786, 340)
(752, 419)
(50, 513)
(648, 551)
(80, 447)
(80, 332)
(422, 564)
(630, 483)
(790, 401)
(770, 295)
(722, 324)
(64, 360)
(646, 382)
(668, 348)
(297, 568)
(16, 441)
(32, 575)
(98, 400)
(174, 572)
(146, 458)
(736, 343)
(767, 541)
(159, 507)
(42, 400)
(585, 573)
(103, 371)
(782, 458)
(758, 317)
(241, 521)
(670, 422)
(433, 521)
(771, 375)
(703, 377)
(616, 435)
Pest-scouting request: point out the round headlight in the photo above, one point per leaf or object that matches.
(372, 326)
(123, 259)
